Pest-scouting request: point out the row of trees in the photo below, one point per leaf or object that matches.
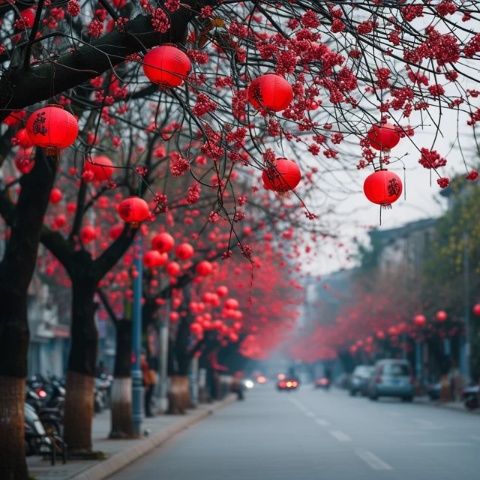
(196, 152)
(429, 293)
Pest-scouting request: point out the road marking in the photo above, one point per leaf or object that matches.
(322, 422)
(340, 436)
(445, 444)
(372, 460)
(309, 414)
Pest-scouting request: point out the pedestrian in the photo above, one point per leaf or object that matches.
(149, 381)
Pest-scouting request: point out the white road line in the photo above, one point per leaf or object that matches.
(340, 436)
(309, 414)
(445, 444)
(322, 422)
(372, 460)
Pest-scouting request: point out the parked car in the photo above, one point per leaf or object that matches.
(392, 378)
(360, 379)
(471, 397)
(322, 382)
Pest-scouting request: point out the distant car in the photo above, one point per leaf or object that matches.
(322, 382)
(392, 378)
(360, 379)
(261, 379)
(287, 384)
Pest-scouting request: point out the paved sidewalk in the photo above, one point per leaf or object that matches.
(120, 453)
(458, 406)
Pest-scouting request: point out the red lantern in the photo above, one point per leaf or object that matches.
(88, 234)
(163, 242)
(184, 251)
(476, 310)
(196, 329)
(204, 268)
(383, 137)
(173, 269)
(166, 65)
(14, 118)
(133, 210)
(99, 169)
(283, 176)
(59, 221)
(383, 187)
(222, 291)
(420, 320)
(56, 195)
(153, 259)
(174, 317)
(271, 92)
(52, 127)
(231, 304)
(441, 315)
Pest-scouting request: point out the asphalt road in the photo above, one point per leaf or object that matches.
(317, 435)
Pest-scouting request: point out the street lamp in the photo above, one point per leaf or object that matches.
(137, 380)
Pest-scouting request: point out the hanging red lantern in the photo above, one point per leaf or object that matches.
(383, 187)
(173, 269)
(204, 268)
(14, 118)
(441, 315)
(88, 234)
(174, 317)
(166, 65)
(52, 127)
(271, 92)
(184, 251)
(163, 242)
(56, 195)
(222, 291)
(231, 304)
(154, 259)
(420, 320)
(59, 221)
(283, 176)
(99, 169)
(383, 137)
(196, 329)
(476, 310)
(133, 210)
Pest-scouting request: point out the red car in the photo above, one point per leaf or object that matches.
(288, 384)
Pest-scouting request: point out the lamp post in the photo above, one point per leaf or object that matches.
(466, 299)
(163, 367)
(137, 383)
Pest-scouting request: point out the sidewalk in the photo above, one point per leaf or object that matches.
(457, 406)
(120, 453)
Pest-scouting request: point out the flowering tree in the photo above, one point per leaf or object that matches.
(339, 68)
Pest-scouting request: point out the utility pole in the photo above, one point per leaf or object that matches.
(137, 381)
(163, 367)
(466, 300)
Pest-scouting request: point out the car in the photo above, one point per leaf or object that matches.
(288, 384)
(322, 382)
(360, 379)
(392, 378)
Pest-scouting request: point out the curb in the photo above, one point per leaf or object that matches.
(121, 459)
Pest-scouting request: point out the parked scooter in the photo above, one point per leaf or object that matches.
(471, 397)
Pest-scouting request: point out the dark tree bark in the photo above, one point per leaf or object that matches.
(16, 270)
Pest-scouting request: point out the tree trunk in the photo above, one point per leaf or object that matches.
(121, 400)
(16, 270)
(79, 399)
(12, 443)
(178, 395)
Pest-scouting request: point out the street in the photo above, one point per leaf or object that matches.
(313, 434)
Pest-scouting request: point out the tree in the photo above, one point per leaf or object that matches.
(350, 65)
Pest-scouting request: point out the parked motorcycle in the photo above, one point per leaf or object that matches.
(471, 397)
